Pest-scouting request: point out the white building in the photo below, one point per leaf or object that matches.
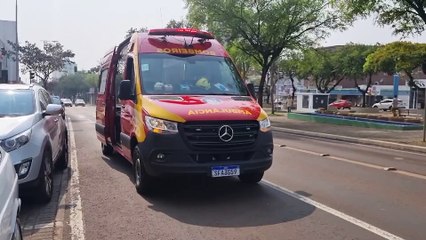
(69, 69)
(8, 67)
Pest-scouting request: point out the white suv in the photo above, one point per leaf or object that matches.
(34, 134)
(386, 104)
(10, 227)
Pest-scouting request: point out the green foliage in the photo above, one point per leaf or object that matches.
(43, 62)
(132, 30)
(76, 84)
(404, 16)
(396, 57)
(353, 57)
(323, 67)
(177, 24)
(327, 67)
(242, 61)
(263, 28)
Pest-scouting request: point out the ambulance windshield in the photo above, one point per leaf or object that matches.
(193, 75)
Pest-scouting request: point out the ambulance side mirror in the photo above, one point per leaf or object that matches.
(125, 91)
(252, 92)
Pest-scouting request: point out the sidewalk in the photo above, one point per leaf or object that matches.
(405, 140)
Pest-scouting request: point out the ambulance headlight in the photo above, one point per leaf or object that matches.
(265, 125)
(160, 126)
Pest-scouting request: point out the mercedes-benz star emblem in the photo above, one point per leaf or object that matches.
(226, 133)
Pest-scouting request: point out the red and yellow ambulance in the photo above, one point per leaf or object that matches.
(171, 102)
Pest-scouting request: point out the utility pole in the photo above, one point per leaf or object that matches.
(17, 42)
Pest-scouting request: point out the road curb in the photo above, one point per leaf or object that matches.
(60, 215)
(58, 233)
(379, 143)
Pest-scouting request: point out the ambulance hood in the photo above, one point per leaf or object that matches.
(202, 108)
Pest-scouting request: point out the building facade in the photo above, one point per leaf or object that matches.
(69, 69)
(8, 65)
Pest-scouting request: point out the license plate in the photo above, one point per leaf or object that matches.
(225, 171)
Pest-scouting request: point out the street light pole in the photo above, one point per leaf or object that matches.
(17, 43)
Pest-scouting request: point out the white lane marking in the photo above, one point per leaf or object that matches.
(76, 211)
(379, 167)
(350, 219)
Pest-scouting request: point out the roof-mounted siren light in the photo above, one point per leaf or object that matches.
(191, 32)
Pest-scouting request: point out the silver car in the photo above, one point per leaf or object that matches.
(386, 104)
(10, 227)
(33, 132)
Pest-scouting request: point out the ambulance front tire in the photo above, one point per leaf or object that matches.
(143, 181)
(252, 177)
(107, 149)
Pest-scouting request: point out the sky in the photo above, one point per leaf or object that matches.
(91, 27)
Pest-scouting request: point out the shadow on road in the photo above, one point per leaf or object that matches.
(223, 202)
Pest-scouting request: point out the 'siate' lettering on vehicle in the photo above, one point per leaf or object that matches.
(185, 51)
(216, 110)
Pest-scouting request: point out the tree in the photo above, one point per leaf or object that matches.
(132, 30)
(323, 67)
(353, 59)
(43, 62)
(397, 57)
(76, 84)
(177, 24)
(290, 66)
(95, 69)
(263, 28)
(404, 16)
(242, 61)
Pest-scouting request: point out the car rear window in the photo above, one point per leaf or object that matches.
(16, 103)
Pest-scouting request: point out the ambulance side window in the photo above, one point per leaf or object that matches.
(119, 71)
(130, 73)
(102, 81)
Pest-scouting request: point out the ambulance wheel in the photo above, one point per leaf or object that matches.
(253, 177)
(143, 181)
(107, 149)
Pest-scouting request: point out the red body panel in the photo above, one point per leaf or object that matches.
(173, 45)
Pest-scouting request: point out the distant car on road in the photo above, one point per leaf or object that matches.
(35, 136)
(10, 227)
(79, 102)
(341, 104)
(386, 104)
(67, 102)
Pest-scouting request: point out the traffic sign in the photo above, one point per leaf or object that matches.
(421, 83)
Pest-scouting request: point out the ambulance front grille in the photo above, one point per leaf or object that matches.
(205, 134)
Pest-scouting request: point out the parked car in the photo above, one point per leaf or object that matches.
(57, 100)
(341, 104)
(79, 102)
(386, 104)
(67, 102)
(10, 227)
(35, 135)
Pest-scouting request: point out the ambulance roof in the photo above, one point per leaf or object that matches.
(180, 41)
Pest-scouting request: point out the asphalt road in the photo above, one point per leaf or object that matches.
(316, 189)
